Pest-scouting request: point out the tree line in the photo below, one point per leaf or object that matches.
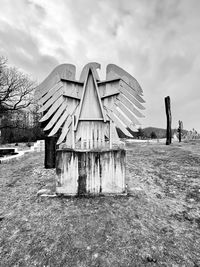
(19, 120)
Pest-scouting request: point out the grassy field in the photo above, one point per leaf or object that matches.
(157, 224)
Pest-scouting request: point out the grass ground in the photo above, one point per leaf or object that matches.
(157, 224)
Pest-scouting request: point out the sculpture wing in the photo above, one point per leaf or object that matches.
(58, 99)
(122, 99)
(63, 71)
(113, 71)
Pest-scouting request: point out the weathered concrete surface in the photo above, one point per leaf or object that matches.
(90, 172)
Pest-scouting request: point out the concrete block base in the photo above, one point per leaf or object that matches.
(90, 172)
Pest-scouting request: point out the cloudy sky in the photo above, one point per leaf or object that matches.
(157, 41)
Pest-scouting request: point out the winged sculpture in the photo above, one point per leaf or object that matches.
(85, 113)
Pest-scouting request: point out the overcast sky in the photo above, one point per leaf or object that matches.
(157, 41)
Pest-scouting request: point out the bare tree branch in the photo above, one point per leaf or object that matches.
(16, 88)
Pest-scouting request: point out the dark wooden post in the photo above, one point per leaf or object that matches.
(180, 128)
(50, 148)
(169, 120)
(50, 152)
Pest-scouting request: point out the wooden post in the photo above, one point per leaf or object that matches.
(50, 152)
(169, 120)
(180, 128)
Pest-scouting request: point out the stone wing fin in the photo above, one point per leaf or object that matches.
(113, 71)
(57, 104)
(124, 106)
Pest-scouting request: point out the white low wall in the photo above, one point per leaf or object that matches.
(38, 146)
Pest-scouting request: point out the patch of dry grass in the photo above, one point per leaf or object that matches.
(158, 224)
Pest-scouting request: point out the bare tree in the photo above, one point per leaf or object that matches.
(16, 88)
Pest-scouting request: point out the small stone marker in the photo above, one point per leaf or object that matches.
(43, 191)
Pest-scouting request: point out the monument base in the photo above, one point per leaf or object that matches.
(91, 172)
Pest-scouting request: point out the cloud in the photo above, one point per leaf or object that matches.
(23, 50)
(156, 41)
